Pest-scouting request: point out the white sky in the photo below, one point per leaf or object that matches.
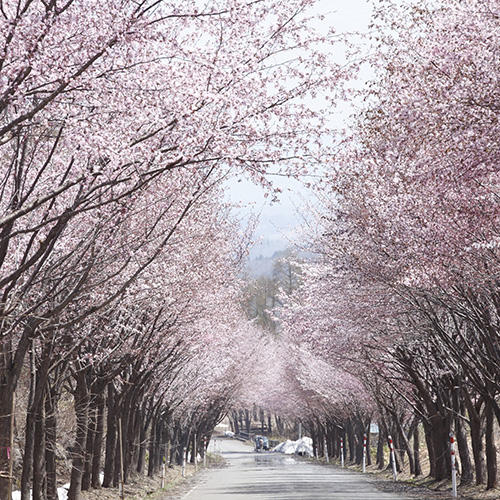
(278, 220)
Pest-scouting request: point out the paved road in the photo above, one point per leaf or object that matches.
(268, 475)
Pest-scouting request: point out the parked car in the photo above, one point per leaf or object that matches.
(261, 443)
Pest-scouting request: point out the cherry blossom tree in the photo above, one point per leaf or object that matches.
(105, 105)
(410, 221)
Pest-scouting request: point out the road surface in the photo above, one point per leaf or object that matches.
(268, 475)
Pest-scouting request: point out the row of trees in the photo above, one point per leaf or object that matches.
(119, 122)
(398, 319)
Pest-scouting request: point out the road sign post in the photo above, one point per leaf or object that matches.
(453, 466)
(364, 453)
(393, 459)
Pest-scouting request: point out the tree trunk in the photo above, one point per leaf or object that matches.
(109, 460)
(29, 451)
(144, 423)
(440, 441)
(34, 414)
(81, 410)
(416, 450)
(50, 445)
(39, 472)
(153, 446)
(352, 442)
(406, 444)
(6, 407)
(359, 448)
(135, 439)
(397, 452)
(11, 366)
(89, 449)
(467, 476)
(491, 451)
(98, 438)
(141, 459)
(476, 439)
(344, 439)
(380, 447)
(174, 449)
(248, 421)
(194, 448)
(430, 446)
(368, 445)
(123, 460)
(279, 424)
(236, 426)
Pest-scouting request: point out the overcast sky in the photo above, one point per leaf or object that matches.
(278, 220)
